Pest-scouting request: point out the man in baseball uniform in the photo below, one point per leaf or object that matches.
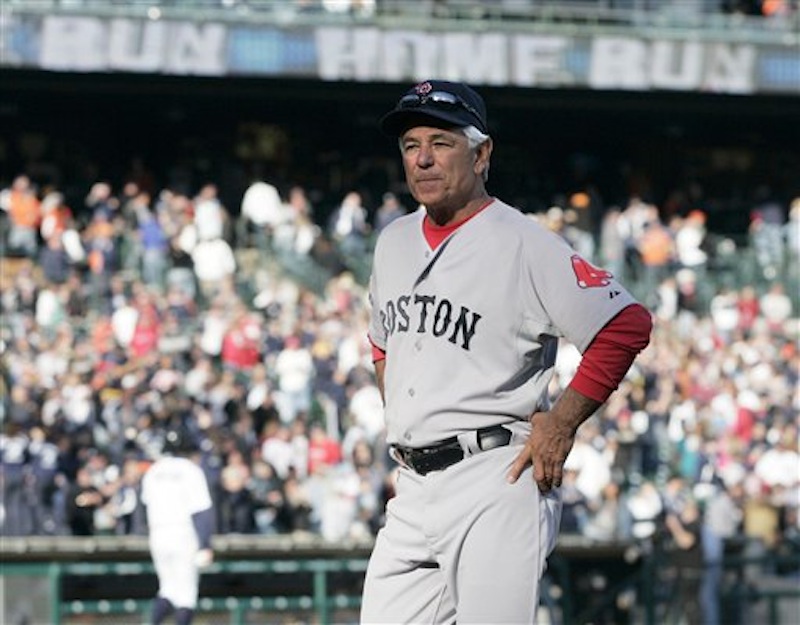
(470, 298)
(180, 521)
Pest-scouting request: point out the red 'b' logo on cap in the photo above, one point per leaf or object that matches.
(588, 275)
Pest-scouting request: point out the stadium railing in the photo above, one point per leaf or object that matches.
(111, 579)
(319, 601)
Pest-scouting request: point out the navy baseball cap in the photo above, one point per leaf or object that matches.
(437, 101)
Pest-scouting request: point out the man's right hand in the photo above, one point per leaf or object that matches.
(204, 558)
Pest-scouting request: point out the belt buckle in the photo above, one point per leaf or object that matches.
(492, 437)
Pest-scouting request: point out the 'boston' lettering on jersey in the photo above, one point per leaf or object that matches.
(423, 314)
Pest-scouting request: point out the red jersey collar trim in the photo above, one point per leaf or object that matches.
(435, 234)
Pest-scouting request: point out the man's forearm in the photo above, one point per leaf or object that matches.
(573, 408)
(380, 367)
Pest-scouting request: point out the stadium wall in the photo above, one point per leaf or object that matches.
(633, 56)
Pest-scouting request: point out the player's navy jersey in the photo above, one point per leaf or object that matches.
(469, 328)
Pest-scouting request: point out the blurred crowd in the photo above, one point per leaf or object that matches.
(134, 313)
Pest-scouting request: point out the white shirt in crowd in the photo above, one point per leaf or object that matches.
(213, 260)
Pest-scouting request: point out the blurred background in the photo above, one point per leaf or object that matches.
(190, 194)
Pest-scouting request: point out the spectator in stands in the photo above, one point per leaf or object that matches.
(210, 217)
(241, 344)
(177, 219)
(389, 210)
(50, 311)
(368, 500)
(721, 521)
(57, 217)
(54, 260)
(690, 236)
(50, 469)
(776, 307)
(294, 368)
(276, 449)
(612, 242)
(235, 506)
(306, 230)
(214, 266)
(631, 224)
(748, 308)
(646, 508)
(100, 241)
(262, 212)
(324, 451)
(301, 446)
(348, 225)
(154, 245)
(776, 8)
(366, 410)
(14, 442)
(777, 466)
(298, 510)
(83, 501)
(147, 329)
(266, 493)
(328, 382)
(21, 203)
(336, 494)
(592, 471)
(608, 518)
(574, 504)
(579, 217)
(792, 235)
(656, 249)
(298, 233)
(686, 555)
(767, 221)
(125, 502)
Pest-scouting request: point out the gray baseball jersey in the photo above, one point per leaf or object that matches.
(471, 328)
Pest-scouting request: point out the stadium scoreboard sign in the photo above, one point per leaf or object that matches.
(369, 53)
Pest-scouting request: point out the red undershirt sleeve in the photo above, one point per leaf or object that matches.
(611, 353)
(377, 352)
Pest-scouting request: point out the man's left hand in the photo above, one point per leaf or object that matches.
(546, 450)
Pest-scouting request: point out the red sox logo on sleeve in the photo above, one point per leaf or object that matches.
(589, 276)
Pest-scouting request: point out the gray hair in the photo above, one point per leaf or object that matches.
(476, 138)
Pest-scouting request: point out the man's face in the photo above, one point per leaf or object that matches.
(442, 172)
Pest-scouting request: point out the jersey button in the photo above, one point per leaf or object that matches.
(411, 392)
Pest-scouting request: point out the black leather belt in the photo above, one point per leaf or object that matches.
(423, 460)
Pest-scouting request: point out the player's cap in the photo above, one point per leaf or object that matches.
(179, 441)
(436, 102)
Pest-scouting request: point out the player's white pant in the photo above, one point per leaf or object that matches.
(174, 561)
(488, 539)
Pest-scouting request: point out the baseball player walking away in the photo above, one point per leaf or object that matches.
(470, 298)
(180, 520)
